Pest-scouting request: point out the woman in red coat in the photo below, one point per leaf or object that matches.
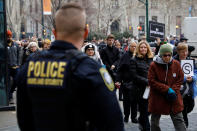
(165, 78)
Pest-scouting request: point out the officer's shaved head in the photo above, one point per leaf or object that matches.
(70, 20)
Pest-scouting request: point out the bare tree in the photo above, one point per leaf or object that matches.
(13, 16)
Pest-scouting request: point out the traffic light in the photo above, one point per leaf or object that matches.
(139, 28)
(44, 32)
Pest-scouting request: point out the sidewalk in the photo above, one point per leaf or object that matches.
(8, 122)
(166, 122)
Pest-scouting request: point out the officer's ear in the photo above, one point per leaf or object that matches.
(54, 32)
(86, 32)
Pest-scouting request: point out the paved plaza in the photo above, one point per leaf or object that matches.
(8, 122)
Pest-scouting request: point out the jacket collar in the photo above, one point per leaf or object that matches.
(61, 45)
(110, 47)
(159, 60)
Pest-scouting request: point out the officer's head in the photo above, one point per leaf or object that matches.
(70, 24)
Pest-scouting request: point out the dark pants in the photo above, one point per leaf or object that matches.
(189, 103)
(129, 104)
(177, 120)
(143, 118)
(121, 93)
(11, 81)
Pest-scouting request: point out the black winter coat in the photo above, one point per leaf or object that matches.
(110, 56)
(123, 74)
(139, 73)
(13, 55)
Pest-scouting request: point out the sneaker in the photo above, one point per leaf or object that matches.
(134, 120)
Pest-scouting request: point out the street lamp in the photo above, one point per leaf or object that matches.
(145, 2)
(43, 36)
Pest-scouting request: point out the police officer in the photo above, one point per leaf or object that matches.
(63, 89)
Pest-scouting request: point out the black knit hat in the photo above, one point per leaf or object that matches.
(89, 46)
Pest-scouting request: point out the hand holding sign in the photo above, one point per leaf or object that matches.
(187, 67)
(189, 79)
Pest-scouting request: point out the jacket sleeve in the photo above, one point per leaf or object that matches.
(120, 67)
(18, 55)
(104, 58)
(117, 58)
(153, 82)
(194, 79)
(24, 113)
(177, 85)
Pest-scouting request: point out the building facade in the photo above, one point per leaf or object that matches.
(104, 16)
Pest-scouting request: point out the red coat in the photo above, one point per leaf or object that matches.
(158, 104)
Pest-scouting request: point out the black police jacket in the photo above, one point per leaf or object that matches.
(53, 96)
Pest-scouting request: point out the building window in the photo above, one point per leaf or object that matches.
(32, 27)
(36, 6)
(21, 6)
(154, 4)
(178, 25)
(22, 26)
(154, 18)
(178, 4)
(30, 8)
(115, 4)
(115, 26)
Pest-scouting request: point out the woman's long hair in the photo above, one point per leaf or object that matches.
(137, 50)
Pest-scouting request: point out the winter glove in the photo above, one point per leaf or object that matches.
(171, 95)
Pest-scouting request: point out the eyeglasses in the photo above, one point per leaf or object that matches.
(90, 49)
(165, 55)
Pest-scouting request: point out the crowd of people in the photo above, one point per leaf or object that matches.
(133, 65)
(129, 64)
(18, 52)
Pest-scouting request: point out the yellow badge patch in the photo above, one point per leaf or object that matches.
(107, 79)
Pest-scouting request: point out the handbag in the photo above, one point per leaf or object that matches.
(186, 90)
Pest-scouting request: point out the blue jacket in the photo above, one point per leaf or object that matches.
(192, 85)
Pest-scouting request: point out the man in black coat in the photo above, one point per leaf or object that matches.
(13, 60)
(110, 56)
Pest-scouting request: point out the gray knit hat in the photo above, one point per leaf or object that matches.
(165, 48)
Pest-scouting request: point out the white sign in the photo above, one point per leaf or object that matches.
(187, 67)
(146, 92)
(52, 38)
